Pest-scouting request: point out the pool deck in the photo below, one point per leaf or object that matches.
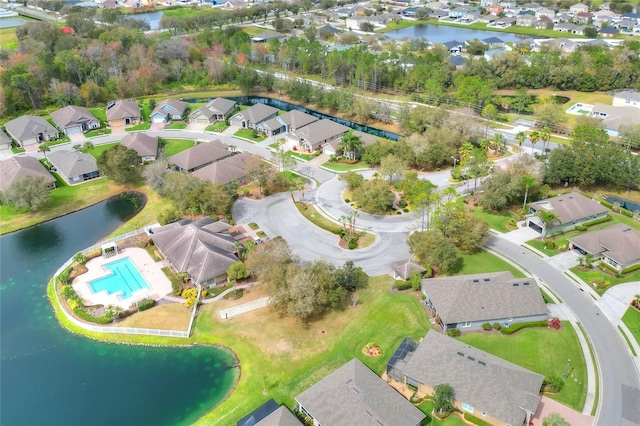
(150, 270)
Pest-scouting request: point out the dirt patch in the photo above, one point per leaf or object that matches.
(284, 346)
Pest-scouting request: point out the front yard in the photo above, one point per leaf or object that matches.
(631, 319)
(249, 135)
(600, 279)
(544, 351)
(500, 221)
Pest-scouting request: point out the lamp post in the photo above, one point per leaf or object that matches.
(453, 171)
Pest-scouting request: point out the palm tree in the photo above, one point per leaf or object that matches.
(466, 150)
(520, 138)
(87, 147)
(528, 182)
(350, 145)
(534, 137)
(545, 137)
(44, 148)
(485, 144)
(497, 142)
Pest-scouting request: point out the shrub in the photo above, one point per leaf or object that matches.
(423, 296)
(402, 285)
(581, 228)
(353, 244)
(428, 273)
(519, 326)
(486, 326)
(555, 382)
(554, 323)
(346, 200)
(631, 269)
(266, 192)
(88, 317)
(406, 210)
(497, 326)
(454, 332)
(597, 221)
(606, 204)
(402, 203)
(146, 304)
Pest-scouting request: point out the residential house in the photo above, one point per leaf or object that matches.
(486, 3)
(493, 53)
(494, 9)
(167, 110)
(568, 211)
(508, 4)
(226, 171)
(269, 414)
(468, 301)
(618, 245)
(265, 36)
(74, 119)
(344, 12)
(328, 28)
(30, 130)
(199, 156)
(5, 141)
(565, 27)
(124, 112)
(494, 43)
(505, 22)
(487, 19)
(561, 17)
(544, 24)
(545, 13)
(470, 18)
(455, 47)
(439, 14)
(602, 17)
(526, 20)
(608, 32)
(579, 30)
(333, 147)
(627, 98)
(317, 134)
(578, 8)
(286, 123)
(146, 146)
(490, 388)
(457, 61)
(437, 5)
(217, 109)
(459, 12)
(403, 270)
(534, 7)
(235, 4)
(614, 117)
(15, 168)
(74, 166)
(355, 395)
(254, 115)
(563, 44)
(204, 249)
(582, 18)
(626, 24)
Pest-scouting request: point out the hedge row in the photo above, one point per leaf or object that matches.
(631, 269)
(474, 419)
(519, 326)
(402, 285)
(598, 221)
(146, 304)
(87, 317)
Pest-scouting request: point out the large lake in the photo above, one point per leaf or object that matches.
(52, 377)
(445, 33)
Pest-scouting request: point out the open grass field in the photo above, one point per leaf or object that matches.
(99, 149)
(483, 261)
(544, 351)
(173, 316)
(8, 38)
(175, 146)
(500, 221)
(293, 356)
(631, 319)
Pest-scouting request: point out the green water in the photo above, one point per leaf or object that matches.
(52, 377)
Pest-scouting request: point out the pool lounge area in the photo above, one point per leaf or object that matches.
(123, 279)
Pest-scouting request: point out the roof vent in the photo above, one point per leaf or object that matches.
(460, 353)
(486, 280)
(470, 358)
(476, 281)
(516, 284)
(525, 283)
(355, 390)
(484, 364)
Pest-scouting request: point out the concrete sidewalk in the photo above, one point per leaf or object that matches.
(244, 308)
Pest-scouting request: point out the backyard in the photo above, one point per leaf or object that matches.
(174, 146)
(544, 351)
(483, 261)
(172, 316)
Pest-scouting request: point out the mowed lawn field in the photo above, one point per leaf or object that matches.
(283, 357)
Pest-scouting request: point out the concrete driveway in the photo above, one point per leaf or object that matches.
(521, 236)
(565, 260)
(615, 302)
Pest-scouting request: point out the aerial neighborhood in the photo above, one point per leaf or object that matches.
(361, 213)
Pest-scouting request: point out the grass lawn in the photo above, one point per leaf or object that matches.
(173, 316)
(302, 156)
(499, 221)
(631, 319)
(175, 146)
(142, 126)
(483, 261)
(253, 31)
(98, 132)
(219, 126)
(99, 149)
(544, 351)
(248, 135)
(177, 125)
(100, 114)
(8, 38)
(452, 420)
(294, 356)
(595, 276)
(344, 167)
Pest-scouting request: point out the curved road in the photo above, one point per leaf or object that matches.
(619, 402)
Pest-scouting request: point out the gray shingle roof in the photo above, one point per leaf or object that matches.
(280, 417)
(257, 113)
(295, 119)
(570, 207)
(319, 131)
(502, 389)
(123, 108)
(404, 269)
(354, 395)
(620, 242)
(5, 141)
(201, 248)
(226, 170)
(72, 115)
(73, 163)
(200, 154)
(142, 143)
(484, 297)
(175, 106)
(15, 168)
(217, 106)
(29, 126)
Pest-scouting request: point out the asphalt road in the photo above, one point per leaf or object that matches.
(619, 403)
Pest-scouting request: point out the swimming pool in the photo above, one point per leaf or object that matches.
(124, 277)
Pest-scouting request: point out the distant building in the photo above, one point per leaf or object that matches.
(567, 211)
(74, 166)
(16, 168)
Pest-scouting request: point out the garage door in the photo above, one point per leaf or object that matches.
(157, 119)
(74, 130)
(535, 227)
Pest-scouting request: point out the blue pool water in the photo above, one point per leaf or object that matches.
(124, 277)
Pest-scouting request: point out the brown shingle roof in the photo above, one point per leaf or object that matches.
(320, 131)
(570, 207)
(226, 170)
(15, 168)
(405, 269)
(72, 115)
(354, 395)
(620, 242)
(200, 154)
(123, 108)
(484, 297)
(501, 389)
(142, 143)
